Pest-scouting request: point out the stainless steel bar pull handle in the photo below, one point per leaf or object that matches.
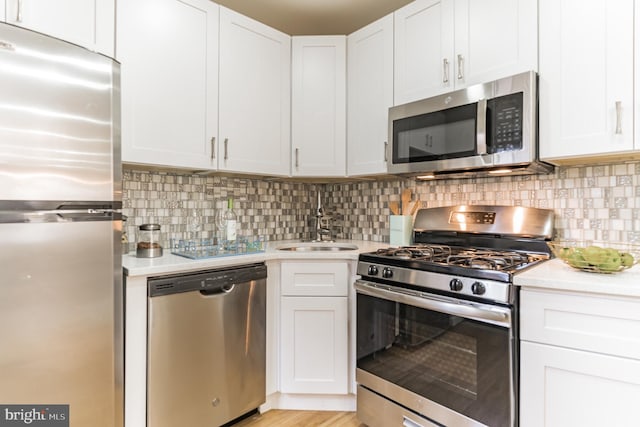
(19, 12)
(213, 147)
(460, 67)
(226, 148)
(445, 70)
(618, 117)
(476, 311)
(386, 147)
(407, 422)
(297, 157)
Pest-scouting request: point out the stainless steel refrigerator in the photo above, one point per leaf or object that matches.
(61, 315)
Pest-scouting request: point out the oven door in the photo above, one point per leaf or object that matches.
(449, 360)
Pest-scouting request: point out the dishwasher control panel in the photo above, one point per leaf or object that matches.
(206, 282)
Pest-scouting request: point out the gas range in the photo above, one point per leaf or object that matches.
(465, 251)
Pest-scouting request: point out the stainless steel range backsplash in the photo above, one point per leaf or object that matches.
(590, 202)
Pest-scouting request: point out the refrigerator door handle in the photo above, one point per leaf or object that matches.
(80, 215)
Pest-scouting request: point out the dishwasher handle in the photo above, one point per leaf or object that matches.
(223, 289)
(212, 282)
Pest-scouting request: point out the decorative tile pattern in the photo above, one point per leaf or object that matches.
(186, 205)
(590, 202)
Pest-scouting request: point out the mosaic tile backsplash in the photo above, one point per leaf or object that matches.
(590, 202)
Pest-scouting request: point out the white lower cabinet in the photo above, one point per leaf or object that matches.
(579, 360)
(563, 387)
(314, 331)
(314, 345)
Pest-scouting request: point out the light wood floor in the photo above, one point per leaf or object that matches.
(282, 418)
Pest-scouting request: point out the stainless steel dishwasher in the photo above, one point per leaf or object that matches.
(206, 346)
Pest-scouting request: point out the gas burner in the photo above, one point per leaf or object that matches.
(421, 252)
(489, 260)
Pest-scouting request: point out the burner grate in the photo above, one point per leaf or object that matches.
(435, 253)
(481, 259)
(489, 260)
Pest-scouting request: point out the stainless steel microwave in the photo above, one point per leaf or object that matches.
(489, 128)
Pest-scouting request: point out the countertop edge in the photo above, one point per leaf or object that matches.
(556, 275)
(551, 275)
(172, 264)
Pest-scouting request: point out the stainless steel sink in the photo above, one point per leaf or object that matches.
(312, 247)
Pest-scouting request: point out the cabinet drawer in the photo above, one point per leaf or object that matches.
(589, 322)
(315, 278)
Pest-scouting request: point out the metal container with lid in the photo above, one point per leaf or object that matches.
(149, 241)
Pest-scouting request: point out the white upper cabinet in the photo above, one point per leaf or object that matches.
(442, 45)
(370, 94)
(423, 48)
(586, 79)
(88, 23)
(169, 55)
(318, 124)
(494, 39)
(255, 101)
(2, 9)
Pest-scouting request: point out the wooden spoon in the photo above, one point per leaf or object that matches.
(406, 198)
(394, 207)
(415, 206)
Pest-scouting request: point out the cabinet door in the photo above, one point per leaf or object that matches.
(318, 126)
(564, 387)
(88, 23)
(586, 78)
(494, 39)
(255, 106)
(370, 94)
(423, 50)
(314, 347)
(169, 81)
(2, 10)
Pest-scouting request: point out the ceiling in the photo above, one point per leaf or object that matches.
(314, 17)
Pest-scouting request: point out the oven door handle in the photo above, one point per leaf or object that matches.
(486, 313)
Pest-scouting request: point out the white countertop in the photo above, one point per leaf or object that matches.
(556, 275)
(170, 264)
(553, 274)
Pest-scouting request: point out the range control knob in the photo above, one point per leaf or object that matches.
(372, 270)
(387, 273)
(478, 288)
(455, 285)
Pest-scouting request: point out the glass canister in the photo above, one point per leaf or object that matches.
(148, 241)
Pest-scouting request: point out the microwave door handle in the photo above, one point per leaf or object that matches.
(481, 127)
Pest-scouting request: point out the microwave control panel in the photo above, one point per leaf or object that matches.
(504, 123)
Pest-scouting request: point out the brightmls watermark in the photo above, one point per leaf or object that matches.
(34, 415)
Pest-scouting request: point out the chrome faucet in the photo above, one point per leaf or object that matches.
(323, 224)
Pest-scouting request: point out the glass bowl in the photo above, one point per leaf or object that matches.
(596, 257)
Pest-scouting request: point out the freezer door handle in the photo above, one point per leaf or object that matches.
(76, 215)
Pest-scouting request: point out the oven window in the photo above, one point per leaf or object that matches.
(445, 134)
(459, 363)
